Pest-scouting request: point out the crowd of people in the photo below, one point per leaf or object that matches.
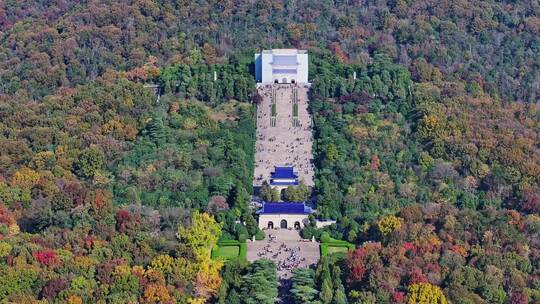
(287, 258)
(283, 144)
(292, 261)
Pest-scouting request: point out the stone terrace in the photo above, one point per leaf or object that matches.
(283, 144)
(275, 246)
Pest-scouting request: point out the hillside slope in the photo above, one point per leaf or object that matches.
(429, 160)
(490, 44)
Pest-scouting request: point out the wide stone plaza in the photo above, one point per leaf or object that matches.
(283, 132)
(286, 248)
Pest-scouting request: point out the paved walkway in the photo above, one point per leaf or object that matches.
(287, 249)
(289, 142)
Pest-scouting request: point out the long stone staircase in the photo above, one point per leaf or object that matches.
(283, 132)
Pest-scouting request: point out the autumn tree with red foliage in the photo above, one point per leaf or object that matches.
(46, 257)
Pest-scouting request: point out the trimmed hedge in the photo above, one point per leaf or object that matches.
(228, 242)
(337, 243)
(327, 241)
(225, 243)
(243, 251)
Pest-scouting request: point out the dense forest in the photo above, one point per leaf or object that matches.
(437, 185)
(98, 184)
(491, 44)
(384, 142)
(429, 159)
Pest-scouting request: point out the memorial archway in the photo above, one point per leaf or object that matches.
(283, 224)
(270, 225)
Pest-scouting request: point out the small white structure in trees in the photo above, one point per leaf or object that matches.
(281, 66)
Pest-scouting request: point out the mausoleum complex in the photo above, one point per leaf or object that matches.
(283, 159)
(283, 152)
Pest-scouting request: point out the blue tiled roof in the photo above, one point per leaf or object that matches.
(285, 208)
(284, 59)
(284, 172)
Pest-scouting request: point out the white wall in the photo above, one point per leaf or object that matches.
(284, 180)
(302, 68)
(266, 68)
(322, 224)
(276, 218)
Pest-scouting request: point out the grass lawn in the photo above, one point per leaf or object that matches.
(337, 249)
(228, 252)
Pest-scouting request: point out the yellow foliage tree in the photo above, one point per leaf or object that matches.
(122, 270)
(425, 293)
(74, 300)
(14, 229)
(162, 263)
(154, 293)
(208, 279)
(389, 223)
(185, 270)
(5, 249)
(43, 159)
(111, 126)
(25, 177)
(358, 132)
(137, 270)
(154, 276)
(202, 236)
(432, 127)
(196, 300)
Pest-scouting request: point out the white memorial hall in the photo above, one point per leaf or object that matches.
(281, 66)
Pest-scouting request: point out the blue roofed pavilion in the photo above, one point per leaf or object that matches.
(283, 176)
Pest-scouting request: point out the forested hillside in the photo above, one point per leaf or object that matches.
(440, 188)
(492, 45)
(98, 183)
(429, 160)
(384, 142)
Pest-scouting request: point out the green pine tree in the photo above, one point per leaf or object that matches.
(326, 292)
